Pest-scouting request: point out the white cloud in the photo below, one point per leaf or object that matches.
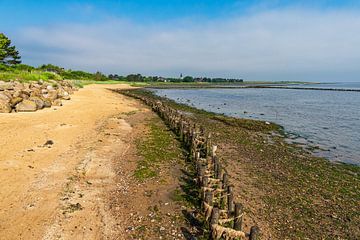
(287, 44)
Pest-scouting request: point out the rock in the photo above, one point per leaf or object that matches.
(57, 102)
(4, 97)
(4, 106)
(62, 93)
(24, 95)
(15, 101)
(47, 103)
(39, 102)
(66, 97)
(17, 93)
(48, 143)
(49, 88)
(26, 106)
(52, 95)
(6, 86)
(35, 92)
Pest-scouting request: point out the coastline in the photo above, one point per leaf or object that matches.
(281, 183)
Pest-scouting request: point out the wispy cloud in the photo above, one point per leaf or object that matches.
(284, 44)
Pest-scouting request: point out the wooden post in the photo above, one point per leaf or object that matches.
(205, 181)
(219, 172)
(216, 163)
(225, 187)
(208, 144)
(225, 180)
(230, 200)
(209, 198)
(215, 216)
(238, 216)
(254, 233)
(213, 150)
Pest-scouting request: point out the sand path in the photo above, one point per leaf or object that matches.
(56, 191)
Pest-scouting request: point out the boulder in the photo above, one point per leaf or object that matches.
(52, 95)
(4, 106)
(62, 93)
(57, 102)
(4, 97)
(26, 106)
(17, 93)
(66, 97)
(7, 93)
(15, 101)
(6, 86)
(35, 92)
(47, 103)
(39, 102)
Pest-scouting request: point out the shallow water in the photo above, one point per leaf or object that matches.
(329, 120)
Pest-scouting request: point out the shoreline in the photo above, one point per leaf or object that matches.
(266, 160)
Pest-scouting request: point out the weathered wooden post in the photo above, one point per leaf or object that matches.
(238, 216)
(214, 219)
(230, 200)
(208, 198)
(205, 181)
(208, 145)
(213, 151)
(216, 164)
(219, 172)
(254, 233)
(224, 195)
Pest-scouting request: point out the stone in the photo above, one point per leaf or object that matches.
(47, 103)
(66, 97)
(35, 92)
(17, 93)
(62, 93)
(49, 87)
(4, 97)
(6, 86)
(57, 102)
(39, 102)
(4, 106)
(15, 101)
(26, 106)
(52, 95)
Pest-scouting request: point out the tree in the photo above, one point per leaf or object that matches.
(8, 54)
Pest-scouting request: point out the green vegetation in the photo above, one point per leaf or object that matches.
(157, 79)
(155, 148)
(8, 54)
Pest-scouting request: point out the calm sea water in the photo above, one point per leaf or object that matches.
(329, 120)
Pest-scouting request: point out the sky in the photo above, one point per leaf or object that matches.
(255, 40)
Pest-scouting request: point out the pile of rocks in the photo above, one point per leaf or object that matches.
(32, 96)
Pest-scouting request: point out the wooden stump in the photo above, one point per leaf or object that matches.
(238, 216)
(254, 233)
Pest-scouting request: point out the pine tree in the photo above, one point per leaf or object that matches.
(8, 54)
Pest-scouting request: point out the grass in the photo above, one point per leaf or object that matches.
(25, 76)
(158, 146)
(300, 195)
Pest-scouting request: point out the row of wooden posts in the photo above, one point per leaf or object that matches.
(221, 212)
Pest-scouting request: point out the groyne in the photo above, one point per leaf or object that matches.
(221, 211)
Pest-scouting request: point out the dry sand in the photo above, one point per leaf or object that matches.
(43, 187)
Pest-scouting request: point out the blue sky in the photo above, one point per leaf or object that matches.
(257, 40)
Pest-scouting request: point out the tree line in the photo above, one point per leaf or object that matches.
(140, 78)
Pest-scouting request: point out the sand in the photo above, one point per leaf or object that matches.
(43, 186)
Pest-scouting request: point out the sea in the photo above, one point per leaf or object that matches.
(327, 122)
